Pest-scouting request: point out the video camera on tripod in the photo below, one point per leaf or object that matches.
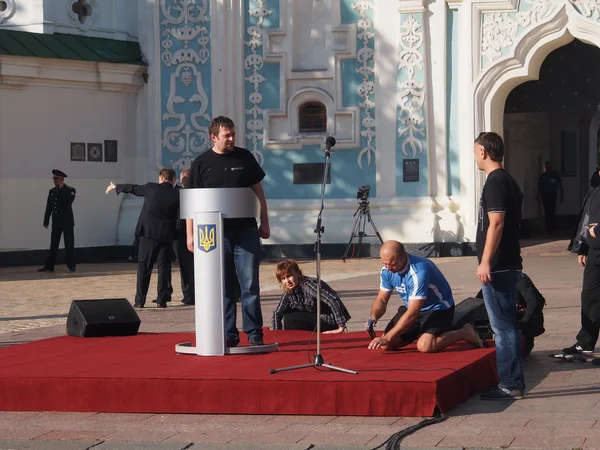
(363, 193)
(362, 215)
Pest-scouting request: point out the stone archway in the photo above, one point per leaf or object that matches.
(555, 24)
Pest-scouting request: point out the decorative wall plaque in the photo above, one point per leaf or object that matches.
(110, 151)
(77, 151)
(94, 152)
(310, 173)
(410, 170)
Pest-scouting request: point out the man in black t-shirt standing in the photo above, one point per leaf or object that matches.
(228, 166)
(499, 254)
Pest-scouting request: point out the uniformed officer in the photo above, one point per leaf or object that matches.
(59, 206)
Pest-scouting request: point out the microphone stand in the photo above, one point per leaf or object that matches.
(319, 362)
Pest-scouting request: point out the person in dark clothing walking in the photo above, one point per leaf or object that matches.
(589, 258)
(59, 207)
(156, 229)
(549, 188)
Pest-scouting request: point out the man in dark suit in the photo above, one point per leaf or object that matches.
(156, 229)
(59, 206)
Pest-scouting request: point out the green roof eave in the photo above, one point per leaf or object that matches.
(70, 46)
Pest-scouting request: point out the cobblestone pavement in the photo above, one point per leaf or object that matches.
(561, 409)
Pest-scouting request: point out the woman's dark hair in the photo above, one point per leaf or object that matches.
(493, 145)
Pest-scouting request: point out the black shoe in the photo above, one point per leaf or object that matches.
(188, 302)
(137, 305)
(232, 342)
(45, 269)
(576, 349)
(161, 305)
(156, 300)
(71, 269)
(256, 340)
(502, 393)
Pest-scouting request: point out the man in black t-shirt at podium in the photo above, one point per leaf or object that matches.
(228, 166)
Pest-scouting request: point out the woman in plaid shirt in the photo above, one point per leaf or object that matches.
(298, 305)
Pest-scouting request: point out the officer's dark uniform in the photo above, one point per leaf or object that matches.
(59, 206)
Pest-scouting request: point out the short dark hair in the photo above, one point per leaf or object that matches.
(167, 174)
(493, 145)
(218, 122)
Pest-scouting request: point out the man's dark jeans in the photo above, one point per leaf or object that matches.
(500, 302)
(241, 252)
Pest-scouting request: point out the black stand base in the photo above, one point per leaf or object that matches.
(318, 363)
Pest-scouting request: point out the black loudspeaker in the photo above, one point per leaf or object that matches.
(102, 317)
(472, 310)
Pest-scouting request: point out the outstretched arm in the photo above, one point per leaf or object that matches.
(340, 314)
(135, 189)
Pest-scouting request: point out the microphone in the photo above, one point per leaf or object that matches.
(329, 142)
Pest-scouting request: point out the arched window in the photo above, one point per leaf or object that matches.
(3, 6)
(312, 118)
(81, 10)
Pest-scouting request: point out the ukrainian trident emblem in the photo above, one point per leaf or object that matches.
(206, 238)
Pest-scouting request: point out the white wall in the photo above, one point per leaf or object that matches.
(37, 125)
(112, 19)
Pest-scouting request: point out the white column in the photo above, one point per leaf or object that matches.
(228, 34)
(436, 100)
(219, 46)
(387, 38)
(466, 133)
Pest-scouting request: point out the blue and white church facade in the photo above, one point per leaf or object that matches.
(404, 85)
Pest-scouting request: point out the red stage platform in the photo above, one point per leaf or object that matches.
(144, 374)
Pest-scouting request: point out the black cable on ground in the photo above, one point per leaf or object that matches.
(393, 442)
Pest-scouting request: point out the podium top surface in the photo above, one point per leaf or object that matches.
(233, 203)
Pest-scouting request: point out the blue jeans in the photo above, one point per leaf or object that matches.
(241, 251)
(500, 302)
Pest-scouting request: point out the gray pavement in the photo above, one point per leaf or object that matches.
(561, 409)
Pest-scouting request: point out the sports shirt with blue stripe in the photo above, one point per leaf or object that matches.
(420, 279)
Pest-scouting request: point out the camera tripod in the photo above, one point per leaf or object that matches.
(360, 222)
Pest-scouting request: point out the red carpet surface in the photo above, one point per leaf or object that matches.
(144, 374)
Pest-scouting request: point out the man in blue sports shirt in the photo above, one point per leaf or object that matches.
(428, 308)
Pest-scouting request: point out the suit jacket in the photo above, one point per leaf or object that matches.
(160, 211)
(59, 206)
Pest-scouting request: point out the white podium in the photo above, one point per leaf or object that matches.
(208, 208)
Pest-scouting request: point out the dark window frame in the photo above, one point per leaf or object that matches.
(312, 117)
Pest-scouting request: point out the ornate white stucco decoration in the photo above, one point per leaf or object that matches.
(182, 22)
(8, 11)
(501, 31)
(588, 8)
(92, 12)
(253, 64)
(366, 89)
(411, 94)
